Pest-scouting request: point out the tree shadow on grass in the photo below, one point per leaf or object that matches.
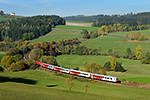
(51, 85)
(17, 80)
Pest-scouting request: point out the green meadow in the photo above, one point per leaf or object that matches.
(42, 85)
(135, 70)
(146, 32)
(55, 35)
(76, 28)
(116, 44)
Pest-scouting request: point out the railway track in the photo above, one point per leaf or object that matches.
(79, 77)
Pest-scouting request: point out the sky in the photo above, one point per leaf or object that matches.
(65, 8)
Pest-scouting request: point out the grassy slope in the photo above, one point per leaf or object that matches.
(116, 44)
(58, 89)
(55, 35)
(135, 70)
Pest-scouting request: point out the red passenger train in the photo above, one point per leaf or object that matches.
(79, 73)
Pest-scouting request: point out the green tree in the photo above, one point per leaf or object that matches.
(49, 60)
(35, 54)
(107, 66)
(84, 31)
(94, 35)
(110, 51)
(13, 67)
(118, 67)
(1, 12)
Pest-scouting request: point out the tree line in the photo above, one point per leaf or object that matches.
(28, 28)
(143, 17)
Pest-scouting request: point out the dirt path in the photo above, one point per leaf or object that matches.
(78, 24)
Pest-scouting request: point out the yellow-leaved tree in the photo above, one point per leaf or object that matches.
(138, 52)
(103, 30)
(92, 24)
(112, 63)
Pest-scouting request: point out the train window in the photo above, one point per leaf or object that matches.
(111, 78)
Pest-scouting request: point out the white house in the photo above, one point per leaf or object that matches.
(12, 13)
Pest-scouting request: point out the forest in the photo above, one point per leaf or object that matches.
(130, 17)
(28, 28)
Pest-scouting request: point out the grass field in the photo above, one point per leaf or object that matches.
(135, 70)
(73, 28)
(55, 35)
(116, 44)
(33, 85)
(5, 19)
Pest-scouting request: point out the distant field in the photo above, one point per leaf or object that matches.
(5, 18)
(37, 84)
(55, 35)
(78, 22)
(116, 44)
(135, 70)
(73, 28)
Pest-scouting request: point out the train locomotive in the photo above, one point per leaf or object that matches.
(80, 73)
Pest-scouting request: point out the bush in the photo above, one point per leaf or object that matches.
(145, 61)
(107, 66)
(119, 67)
(95, 35)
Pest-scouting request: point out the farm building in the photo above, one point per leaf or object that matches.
(12, 13)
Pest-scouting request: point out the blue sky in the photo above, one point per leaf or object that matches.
(73, 7)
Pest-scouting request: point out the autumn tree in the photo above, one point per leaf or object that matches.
(138, 52)
(70, 82)
(86, 87)
(112, 63)
(93, 67)
(103, 30)
(35, 54)
(49, 60)
(92, 24)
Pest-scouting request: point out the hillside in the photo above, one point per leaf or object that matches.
(34, 85)
(8, 17)
(140, 17)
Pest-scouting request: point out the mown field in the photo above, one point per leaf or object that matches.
(55, 35)
(42, 85)
(135, 70)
